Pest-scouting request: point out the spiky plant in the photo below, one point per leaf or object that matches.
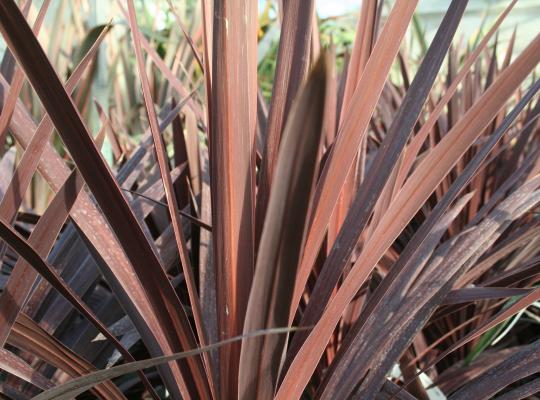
(371, 232)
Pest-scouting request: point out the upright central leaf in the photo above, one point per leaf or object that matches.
(281, 240)
(291, 68)
(233, 123)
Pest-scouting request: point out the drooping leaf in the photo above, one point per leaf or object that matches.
(80, 385)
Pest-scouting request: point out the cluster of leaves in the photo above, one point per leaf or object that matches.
(343, 235)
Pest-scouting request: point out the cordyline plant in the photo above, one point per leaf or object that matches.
(370, 231)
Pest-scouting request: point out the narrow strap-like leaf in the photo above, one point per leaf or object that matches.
(96, 174)
(281, 240)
